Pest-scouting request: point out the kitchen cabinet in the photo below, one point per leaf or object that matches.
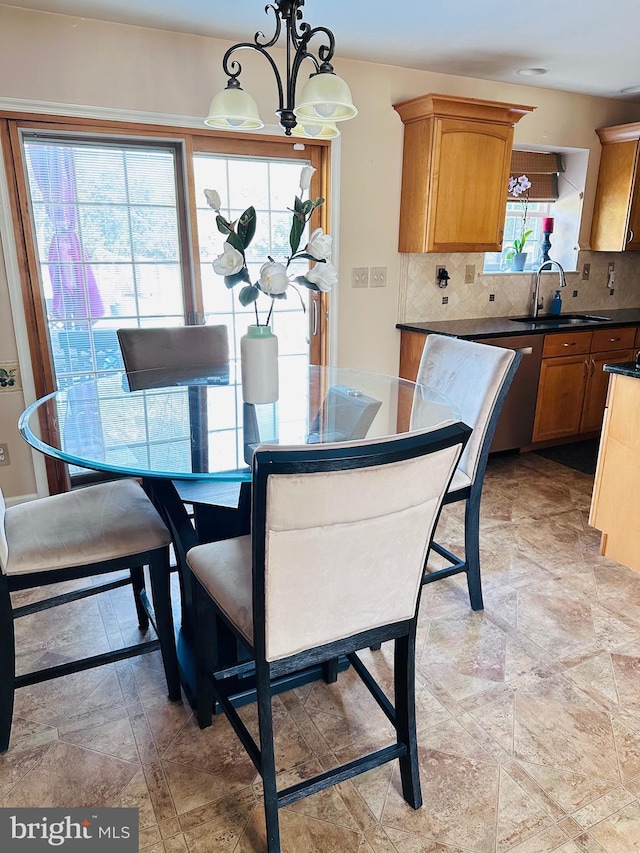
(614, 505)
(455, 169)
(616, 213)
(637, 343)
(573, 387)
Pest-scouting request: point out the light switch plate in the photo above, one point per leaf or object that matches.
(378, 276)
(360, 277)
(469, 273)
(4, 455)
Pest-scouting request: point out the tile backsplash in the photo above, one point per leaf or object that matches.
(509, 295)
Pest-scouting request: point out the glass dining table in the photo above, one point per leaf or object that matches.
(171, 427)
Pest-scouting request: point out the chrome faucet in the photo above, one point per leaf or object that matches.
(537, 301)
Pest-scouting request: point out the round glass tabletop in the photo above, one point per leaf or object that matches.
(192, 426)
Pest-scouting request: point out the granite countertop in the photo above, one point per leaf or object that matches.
(499, 327)
(624, 368)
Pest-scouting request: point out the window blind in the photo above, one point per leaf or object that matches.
(542, 170)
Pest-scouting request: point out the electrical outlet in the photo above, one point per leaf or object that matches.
(575, 293)
(4, 455)
(611, 266)
(469, 273)
(586, 272)
(492, 297)
(378, 276)
(445, 300)
(360, 277)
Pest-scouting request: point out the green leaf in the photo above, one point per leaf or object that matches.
(298, 206)
(300, 279)
(247, 226)
(309, 257)
(236, 242)
(223, 226)
(248, 295)
(236, 278)
(297, 227)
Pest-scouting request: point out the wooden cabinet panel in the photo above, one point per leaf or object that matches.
(597, 384)
(566, 343)
(560, 397)
(616, 213)
(637, 343)
(455, 168)
(411, 346)
(617, 485)
(610, 339)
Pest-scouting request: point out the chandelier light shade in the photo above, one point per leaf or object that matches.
(315, 130)
(234, 109)
(325, 97)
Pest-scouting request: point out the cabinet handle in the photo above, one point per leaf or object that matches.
(630, 237)
(315, 317)
(593, 368)
(571, 344)
(613, 340)
(585, 369)
(524, 350)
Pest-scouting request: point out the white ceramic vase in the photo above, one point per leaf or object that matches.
(259, 365)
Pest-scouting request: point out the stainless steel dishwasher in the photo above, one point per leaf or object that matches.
(515, 427)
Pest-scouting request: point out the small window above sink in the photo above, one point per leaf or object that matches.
(561, 319)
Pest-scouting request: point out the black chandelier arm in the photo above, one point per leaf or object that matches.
(302, 38)
(260, 35)
(233, 69)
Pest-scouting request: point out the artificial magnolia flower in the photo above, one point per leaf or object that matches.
(319, 245)
(230, 262)
(324, 276)
(305, 177)
(213, 199)
(273, 278)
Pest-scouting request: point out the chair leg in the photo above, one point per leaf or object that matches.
(7, 664)
(267, 752)
(472, 551)
(205, 653)
(160, 573)
(137, 582)
(405, 699)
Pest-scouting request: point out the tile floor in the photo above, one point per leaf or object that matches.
(528, 713)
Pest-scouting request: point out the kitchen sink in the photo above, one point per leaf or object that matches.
(561, 319)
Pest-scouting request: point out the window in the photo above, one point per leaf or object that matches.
(542, 169)
(111, 219)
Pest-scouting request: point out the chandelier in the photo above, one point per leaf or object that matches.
(324, 99)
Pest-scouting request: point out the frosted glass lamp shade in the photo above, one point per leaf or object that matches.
(234, 109)
(308, 129)
(325, 96)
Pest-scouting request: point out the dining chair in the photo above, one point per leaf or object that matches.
(334, 564)
(346, 414)
(189, 352)
(475, 378)
(84, 533)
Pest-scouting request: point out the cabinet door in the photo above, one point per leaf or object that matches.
(637, 343)
(468, 192)
(560, 397)
(411, 346)
(609, 230)
(633, 232)
(597, 384)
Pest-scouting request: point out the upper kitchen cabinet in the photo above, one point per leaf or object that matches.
(616, 213)
(455, 170)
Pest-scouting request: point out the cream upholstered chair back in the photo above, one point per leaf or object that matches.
(471, 376)
(173, 347)
(344, 549)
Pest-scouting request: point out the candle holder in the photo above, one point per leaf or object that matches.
(545, 245)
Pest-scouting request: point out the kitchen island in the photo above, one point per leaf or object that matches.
(614, 508)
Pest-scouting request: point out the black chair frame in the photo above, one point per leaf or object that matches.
(470, 563)
(159, 615)
(211, 680)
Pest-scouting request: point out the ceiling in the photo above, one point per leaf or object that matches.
(588, 47)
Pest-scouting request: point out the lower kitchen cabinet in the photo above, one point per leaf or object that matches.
(561, 395)
(573, 388)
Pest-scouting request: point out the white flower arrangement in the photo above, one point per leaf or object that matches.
(274, 279)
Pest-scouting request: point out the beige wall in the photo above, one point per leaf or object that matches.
(65, 60)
